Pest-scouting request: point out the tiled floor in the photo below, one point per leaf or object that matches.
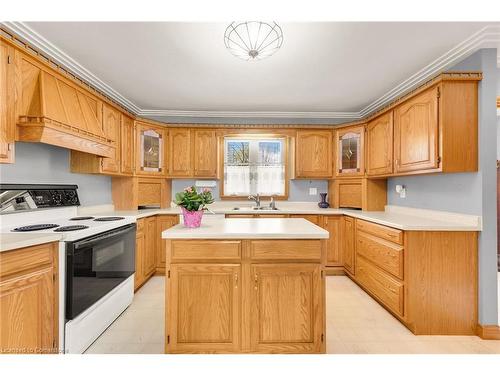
(355, 324)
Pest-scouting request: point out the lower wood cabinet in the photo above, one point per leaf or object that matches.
(163, 222)
(347, 244)
(29, 300)
(246, 298)
(285, 302)
(427, 279)
(145, 250)
(204, 308)
(333, 247)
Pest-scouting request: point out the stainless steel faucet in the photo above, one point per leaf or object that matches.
(256, 199)
(272, 204)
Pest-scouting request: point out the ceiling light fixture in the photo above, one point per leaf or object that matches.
(253, 40)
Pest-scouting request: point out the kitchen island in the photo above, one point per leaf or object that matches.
(245, 286)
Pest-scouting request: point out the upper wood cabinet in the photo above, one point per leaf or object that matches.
(7, 103)
(150, 149)
(204, 308)
(192, 153)
(205, 153)
(416, 133)
(111, 124)
(379, 142)
(313, 154)
(180, 159)
(127, 149)
(28, 300)
(350, 151)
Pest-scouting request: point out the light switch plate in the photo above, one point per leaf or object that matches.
(313, 191)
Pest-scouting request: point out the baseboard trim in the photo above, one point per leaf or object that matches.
(489, 332)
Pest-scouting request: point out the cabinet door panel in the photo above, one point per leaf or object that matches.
(380, 145)
(127, 145)
(7, 103)
(350, 151)
(150, 246)
(348, 245)
(416, 141)
(163, 223)
(139, 257)
(333, 253)
(204, 308)
(205, 153)
(286, 304)
(111, 126)
(150, 143)
(180, 153)
(313, 154)
(27, 306)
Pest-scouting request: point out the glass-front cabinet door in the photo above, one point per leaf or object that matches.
(151, 143)
(350, 151)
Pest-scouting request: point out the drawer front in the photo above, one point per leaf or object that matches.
(205, 250)
(384, 254)
(312, 218)
(286, 250)
(386, 288)
(386, 233)
(21, 260)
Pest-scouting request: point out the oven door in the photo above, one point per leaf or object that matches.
(96, 265)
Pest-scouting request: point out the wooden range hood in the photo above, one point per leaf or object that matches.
(53, 110)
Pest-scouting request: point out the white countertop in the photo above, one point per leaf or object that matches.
(11, 241)
(248, 229)
(398, 217)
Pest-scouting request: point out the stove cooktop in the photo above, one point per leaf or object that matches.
(31, 228)
(70, 228)
(109, 218)
(81, 218)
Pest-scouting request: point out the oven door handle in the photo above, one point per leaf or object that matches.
(79, 244)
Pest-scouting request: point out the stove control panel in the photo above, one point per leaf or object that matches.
(55, 198)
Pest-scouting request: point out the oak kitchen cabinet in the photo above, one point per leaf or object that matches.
(427, 279)
(151, 140)
(145, 253)
(379, 142)
(192, 153)
(313, 154)
(7, 103)
(347, 245)
(333, 244)
(163, 222)
(29, 300)
(350, 151)
(433, 128)
(233, 296)
(121, 128)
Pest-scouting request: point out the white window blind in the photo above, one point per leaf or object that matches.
(254, 166)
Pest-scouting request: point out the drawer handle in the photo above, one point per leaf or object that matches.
(256, 279)
(236, 280)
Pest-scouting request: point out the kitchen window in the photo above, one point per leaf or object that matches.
(254, 166)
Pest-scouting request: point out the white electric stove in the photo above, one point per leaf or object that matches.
(96, 257)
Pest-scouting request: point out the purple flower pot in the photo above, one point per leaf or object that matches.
(192, 219)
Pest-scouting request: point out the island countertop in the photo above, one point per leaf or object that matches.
(248, 229)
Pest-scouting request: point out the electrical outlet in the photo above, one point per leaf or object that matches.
(313, 191)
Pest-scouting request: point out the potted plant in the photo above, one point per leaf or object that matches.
(193, 204)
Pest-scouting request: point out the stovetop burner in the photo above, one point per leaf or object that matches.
(109, 218)
(31, 228)
(70, 228)
(81, 218)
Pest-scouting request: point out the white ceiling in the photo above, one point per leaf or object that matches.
(322, 67)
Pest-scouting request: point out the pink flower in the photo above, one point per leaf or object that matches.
(188, 189)
(207, 190)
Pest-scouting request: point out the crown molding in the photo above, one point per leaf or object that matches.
(489, 36)
(46, 47)
(250, 114)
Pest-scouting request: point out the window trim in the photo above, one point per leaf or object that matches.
(287, 156)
